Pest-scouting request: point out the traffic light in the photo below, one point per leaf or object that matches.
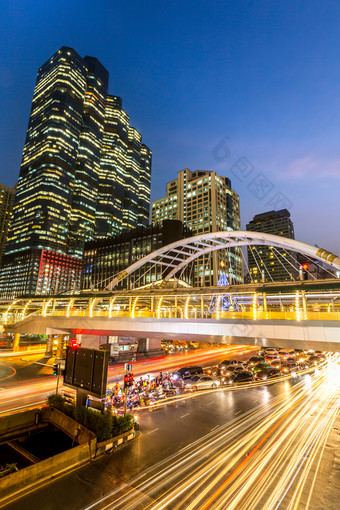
(305, 271)
(74, 343)
(131, 379)
(55, 369)
(126, 381)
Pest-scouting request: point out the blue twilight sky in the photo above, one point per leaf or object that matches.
(250, 89)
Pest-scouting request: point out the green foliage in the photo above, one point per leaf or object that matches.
(104, 425)
(126, 423)
(8, 469)
(56, 400)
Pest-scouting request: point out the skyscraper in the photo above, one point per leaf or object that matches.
(6, 205)
(204, 202)
(266, 263)
(75, 177)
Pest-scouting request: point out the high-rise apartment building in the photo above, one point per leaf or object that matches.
(204, 202)
(6, 205)
(267, 263)
(85, 174)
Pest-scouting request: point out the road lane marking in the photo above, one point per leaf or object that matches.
(23, 407)
(209, 403)
(214, 428)
(183, 416)
(151, 431)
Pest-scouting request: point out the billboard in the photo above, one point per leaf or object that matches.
(87, 369)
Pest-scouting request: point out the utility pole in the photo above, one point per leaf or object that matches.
(56, 371)
(128, 368)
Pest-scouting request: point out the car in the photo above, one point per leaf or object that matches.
(217, 371)
(314, 360)
(271, 350)
(228, 362)
(233, 368)
(287, 368)
(239, 377)
(260, 366)
(201, 382)
(302, 365)
(286, 353)
(252, 361)
(270, 357)
(187, 372)
(275, 363)
(268, 373)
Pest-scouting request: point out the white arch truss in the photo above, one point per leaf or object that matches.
(179, 254)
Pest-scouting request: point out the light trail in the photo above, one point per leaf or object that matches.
(10, 375)
(32, 393)
(265, 459)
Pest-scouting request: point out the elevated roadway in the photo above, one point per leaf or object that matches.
(317, 334)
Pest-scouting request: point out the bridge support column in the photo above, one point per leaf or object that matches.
(149, 346)
(49, 347)
(16, 342)
(265, 302)
(60, 347)
(90, 341)
(304, 304)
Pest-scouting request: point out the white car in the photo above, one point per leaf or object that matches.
(201, 382)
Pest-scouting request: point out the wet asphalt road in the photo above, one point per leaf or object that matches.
(164, 431)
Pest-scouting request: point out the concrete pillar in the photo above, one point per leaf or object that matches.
(60, 347)
(49, 347)
(304, 304)
(81, 397)
(89, 341)
(16, 342)
(153, 344)
(149, 345)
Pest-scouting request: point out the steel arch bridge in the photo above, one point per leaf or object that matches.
(176, 256)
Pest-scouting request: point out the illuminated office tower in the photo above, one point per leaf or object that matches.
(123, 201)
(267, 263)
(6, 206)
(204, 202)
(65, 193)
(85, 189)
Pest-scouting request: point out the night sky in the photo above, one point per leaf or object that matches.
(250, 89)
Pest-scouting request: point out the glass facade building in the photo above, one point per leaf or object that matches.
(105, 258)
(204, 202)
(81, 177)
(266, 263)
(6, 206)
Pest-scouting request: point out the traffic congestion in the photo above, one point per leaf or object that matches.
(268, 365)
